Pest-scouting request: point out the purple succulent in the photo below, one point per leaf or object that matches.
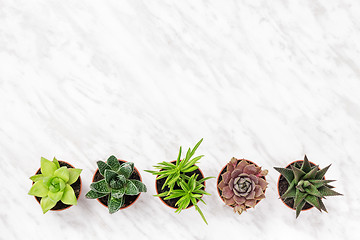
(242, 185)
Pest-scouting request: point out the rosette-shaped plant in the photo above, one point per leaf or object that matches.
(116, 183)
(242, 184)
(307, 185)
(53, 184)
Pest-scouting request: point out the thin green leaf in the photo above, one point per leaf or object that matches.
(287, 173)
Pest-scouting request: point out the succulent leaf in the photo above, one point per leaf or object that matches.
(113, 162)
(69, 196)
(299, 197)
(39, 189)
(139, 185)
(55, 196)
(37, 177)
(298, 174)
(114, 204)
(93, 194)
(313, 200)
(46, 204)
(102, 166)
(326, 191)
(74, 174)
(299, 208)
(321, 173)
(62, 173)
(311, 174)
(126, 169)
(118, 193)
(131, 188)
(287, 174)
(100, 186)
(110, 175)
(306, 167)
(47, 167)
(56, 162)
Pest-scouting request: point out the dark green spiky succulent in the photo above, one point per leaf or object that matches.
(307, 185)
(116, 183)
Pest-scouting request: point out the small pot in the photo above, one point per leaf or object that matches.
(219, 178)
(171, 202)
(282, 186)
(76, 186)
(129, 200)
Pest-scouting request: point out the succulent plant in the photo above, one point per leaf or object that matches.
(242, 184)
(53, 184)
(116, 183)
(307, 185)
(187, 189)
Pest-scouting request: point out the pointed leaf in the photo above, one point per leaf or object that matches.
(126, 169)
(74, 174)
(287, 173)
(69, 197)
(322, 206)
(39, 189)
(46, 204)
(37, 177)
(306, 167)
(319, 183)
(178, 158)
(62, 173)
(299, 197)
(102, 166)
(325, 191)
(312, 190)
(109, 175)
(47, 167)
(321, 173)
(93, 195)
(313, 200)
(298, 174)
(299, 208)
(114, 204)
(113, 162)
(56, 162)
(290, 192)
(118, 193)
(139, 185)
(311, 174)
(55, 196)
(131, 188)
(100, 186)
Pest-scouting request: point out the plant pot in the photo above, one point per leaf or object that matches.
(129, 200)
(282, 186)
(219, 178)
(171, 202)
(76, 186)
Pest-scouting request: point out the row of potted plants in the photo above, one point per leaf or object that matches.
(180, 184)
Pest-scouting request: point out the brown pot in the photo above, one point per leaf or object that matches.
(76, 186)
(290, 202)
(129, 200)
(159, 183)
(219, 178)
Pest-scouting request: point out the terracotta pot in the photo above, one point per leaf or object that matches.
(201, 176)
(281, 178)
(60, 205)
(128, 198)
(219, 178)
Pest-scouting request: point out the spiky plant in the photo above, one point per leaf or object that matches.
(116, 183)
(306, 185)
(54, 184)
(242, 184)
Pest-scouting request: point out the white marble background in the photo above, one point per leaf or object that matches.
(265, 80)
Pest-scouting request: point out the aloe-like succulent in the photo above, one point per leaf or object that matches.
(242, 184)
(53, 184)
(307, 185)
(116, 183)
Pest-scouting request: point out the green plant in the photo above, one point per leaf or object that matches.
(307, 185)
(116, 183)
(187, 189)
(242, 184)
(53, 184)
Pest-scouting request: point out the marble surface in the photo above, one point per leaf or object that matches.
(269, 81)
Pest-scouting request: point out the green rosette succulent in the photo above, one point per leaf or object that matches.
(307, 185)
(116, 183)
(53, 184)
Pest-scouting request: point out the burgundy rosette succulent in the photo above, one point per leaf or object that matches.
(243, 184)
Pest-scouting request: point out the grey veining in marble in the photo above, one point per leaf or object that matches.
(269, 81)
